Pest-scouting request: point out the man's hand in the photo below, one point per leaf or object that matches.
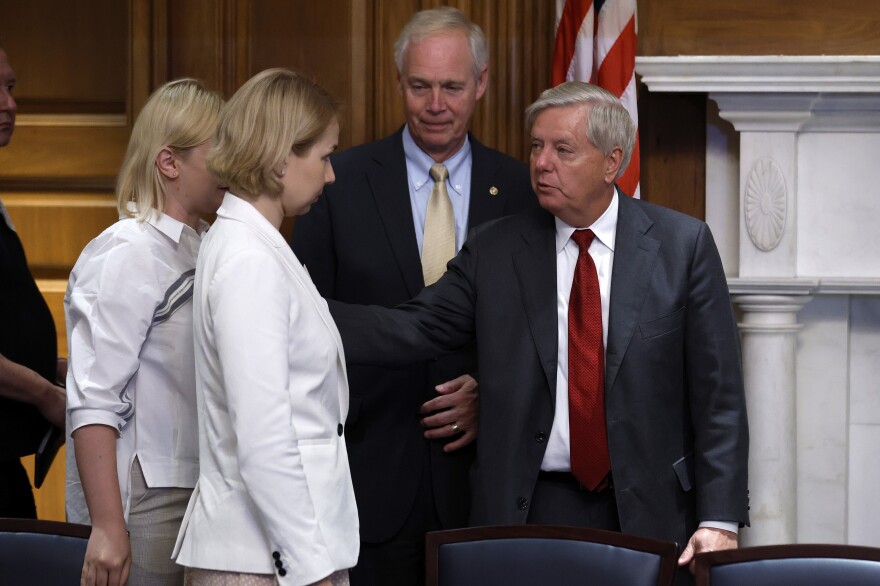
(53, 404)
(706, 539)
(454, 413)
(20, 383)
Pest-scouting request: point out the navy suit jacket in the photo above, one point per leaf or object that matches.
(675, 406)
(359, 245)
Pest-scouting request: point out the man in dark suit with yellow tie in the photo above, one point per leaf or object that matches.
(399, 210)
(649, 437)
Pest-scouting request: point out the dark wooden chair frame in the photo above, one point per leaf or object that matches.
(44, 527)
(667, 551)
(706, 561)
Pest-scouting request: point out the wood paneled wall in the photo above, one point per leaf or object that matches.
(86, 69)
(759, 27)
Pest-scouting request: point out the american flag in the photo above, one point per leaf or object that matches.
(596, 42)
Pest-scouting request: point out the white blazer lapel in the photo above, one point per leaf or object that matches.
(238, 209)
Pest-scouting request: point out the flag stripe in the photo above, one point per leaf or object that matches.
(567, 32)
(582, 62)
(612, 20)
(618, 66)
(596, 41)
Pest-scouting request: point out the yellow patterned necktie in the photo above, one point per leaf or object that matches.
(438, 245)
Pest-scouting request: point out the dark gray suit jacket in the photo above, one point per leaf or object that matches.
(675, 406)
(359, 245)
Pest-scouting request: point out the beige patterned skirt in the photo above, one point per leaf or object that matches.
(198, 577)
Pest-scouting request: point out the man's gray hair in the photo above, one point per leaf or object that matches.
(443, 20)
(609, 126)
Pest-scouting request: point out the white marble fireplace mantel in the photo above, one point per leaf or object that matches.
(793, 198)
(767, 73)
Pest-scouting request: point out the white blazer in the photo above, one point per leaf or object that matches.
(274, 491)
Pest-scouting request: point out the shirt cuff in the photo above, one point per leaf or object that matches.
(82, 417)
(727, 526)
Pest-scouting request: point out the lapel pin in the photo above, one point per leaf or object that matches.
(493, 190)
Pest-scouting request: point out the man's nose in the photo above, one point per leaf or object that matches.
(437, 103)
(542, 160)
(7, 102)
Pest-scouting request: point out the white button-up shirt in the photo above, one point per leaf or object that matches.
(129, 332)
(557, 457)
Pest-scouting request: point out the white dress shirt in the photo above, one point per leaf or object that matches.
(129, 332)
(557, 458)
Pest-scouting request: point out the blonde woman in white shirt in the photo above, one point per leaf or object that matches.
(131, 383)
(274, 503)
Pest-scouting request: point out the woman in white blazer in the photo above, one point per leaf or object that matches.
(274, 501)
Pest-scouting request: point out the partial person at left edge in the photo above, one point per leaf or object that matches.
(131, 401)
(30, 400)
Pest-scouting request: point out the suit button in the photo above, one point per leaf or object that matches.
(276, 555)
(540, 437)
(279, 564)
(282, 572)
(339, 430)
(522, 503)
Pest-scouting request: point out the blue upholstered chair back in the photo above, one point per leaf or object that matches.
(782, 565)
(41, 553)
(535, 554)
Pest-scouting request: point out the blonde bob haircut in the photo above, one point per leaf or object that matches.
(275, 113)
(179, 116)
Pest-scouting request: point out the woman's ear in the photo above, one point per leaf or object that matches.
(166, 162)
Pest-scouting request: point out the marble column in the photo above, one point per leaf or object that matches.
(768, 124)
(769, 338)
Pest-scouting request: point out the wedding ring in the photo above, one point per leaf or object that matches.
(454, 426)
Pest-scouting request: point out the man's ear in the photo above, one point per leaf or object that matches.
(482, 82)
(166, 162)
(612, 164)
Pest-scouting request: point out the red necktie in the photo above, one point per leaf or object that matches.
(590, 462)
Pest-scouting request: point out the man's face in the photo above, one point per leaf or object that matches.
(440, 92)
(571, 177)
(7, 102)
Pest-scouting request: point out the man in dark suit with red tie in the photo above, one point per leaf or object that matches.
(610, 375)
(399, 210)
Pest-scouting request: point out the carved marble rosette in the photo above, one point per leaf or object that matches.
(764, 204)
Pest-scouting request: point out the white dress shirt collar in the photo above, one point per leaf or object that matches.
(605, 227)
(418, 164)
(167, 225)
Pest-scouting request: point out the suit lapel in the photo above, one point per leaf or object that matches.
(535, 266)
(388, 184)
(634, 256)
(486, 203)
